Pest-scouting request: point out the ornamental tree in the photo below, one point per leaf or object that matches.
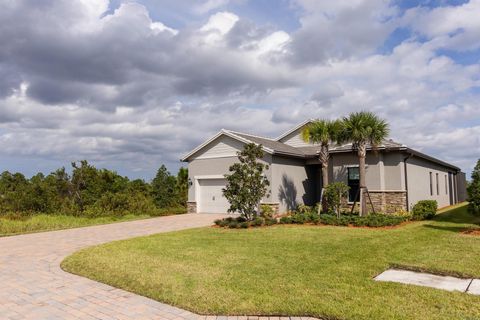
(246, 183)
(474, 190)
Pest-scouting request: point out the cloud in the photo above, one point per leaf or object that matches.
(341, 29)
(452, 27)
(126, 90)
(209, 5)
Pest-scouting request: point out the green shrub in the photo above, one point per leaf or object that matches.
(270, 221)
(298, 218)
(258, 222)
(241, 219)
(373, 220)
(424, 210)
(243, 225)
(285, 220)
(266, 211)
(303, 209)
(334, 193)
(233, 224)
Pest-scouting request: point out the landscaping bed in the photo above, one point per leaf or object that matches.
(294, 270)
(423, 210)
(372, 220)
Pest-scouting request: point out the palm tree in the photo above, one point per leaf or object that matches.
(361, 129)
(322, 132)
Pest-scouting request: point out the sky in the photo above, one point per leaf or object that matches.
(131, 85)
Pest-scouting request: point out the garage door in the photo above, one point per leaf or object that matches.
(211, 196)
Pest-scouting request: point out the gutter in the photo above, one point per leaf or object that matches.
(406, 179)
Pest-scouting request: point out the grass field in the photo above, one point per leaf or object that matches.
(44, 222)
(294, 270)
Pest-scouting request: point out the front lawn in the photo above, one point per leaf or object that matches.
(294, 270)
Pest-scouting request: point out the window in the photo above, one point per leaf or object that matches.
(446, 188)
(353, 183)
(431, 184)
(436, 180)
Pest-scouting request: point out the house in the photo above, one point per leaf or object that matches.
(397, 176)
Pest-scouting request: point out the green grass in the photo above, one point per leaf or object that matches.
(45, 222)
(294, 270)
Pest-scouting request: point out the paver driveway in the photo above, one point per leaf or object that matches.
(32, 285)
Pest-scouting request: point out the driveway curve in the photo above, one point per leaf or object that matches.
(33, 286)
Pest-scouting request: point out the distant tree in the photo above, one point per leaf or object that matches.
(322, 132)
(85, 190)
(474, 190)
(182, 186)
(363, 128)
(163, 188)
(246, 185)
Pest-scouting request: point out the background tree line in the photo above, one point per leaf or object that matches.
(88, 191)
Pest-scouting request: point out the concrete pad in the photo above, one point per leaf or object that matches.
(424, 279)
(474, 287)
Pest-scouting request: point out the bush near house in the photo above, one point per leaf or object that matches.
(424, 210)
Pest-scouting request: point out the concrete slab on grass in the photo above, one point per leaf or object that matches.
(425, 279)
(474, 287)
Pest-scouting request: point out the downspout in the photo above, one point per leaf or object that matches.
(406, 178)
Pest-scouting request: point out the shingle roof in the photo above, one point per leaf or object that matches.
(276, 146)
(310, 151)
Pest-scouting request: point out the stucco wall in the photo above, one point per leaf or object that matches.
(216, 166)
(292, 183)
(339, 163)
(418, 171)
(394, 179)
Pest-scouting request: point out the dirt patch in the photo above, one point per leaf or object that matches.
(472, 232)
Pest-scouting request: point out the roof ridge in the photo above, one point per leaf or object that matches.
(251, 135)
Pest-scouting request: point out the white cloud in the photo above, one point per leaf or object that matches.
(209, 5)
(452, 27)
(124, 89)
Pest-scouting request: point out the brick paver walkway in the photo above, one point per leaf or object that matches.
(32, 285)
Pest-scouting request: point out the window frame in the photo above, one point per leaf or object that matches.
(446, 185)
(431, 183)
(348, 183)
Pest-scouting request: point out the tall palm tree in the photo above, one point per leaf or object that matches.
(322, 132)
(362, 129)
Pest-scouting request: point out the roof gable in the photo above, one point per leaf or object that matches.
(299, 126)
(215, 138)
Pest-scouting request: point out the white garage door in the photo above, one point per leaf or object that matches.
(211, 196)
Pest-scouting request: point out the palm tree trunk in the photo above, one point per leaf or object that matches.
(324, 157)
(362, 153)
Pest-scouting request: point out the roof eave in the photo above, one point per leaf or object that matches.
(432, 159)
(220, 133)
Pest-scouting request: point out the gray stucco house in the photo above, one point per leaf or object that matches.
(396, 175)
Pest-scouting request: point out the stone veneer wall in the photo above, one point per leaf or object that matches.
(388, 202)
(191, 207)
(274, 205)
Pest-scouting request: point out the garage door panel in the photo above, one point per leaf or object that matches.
(211, 196)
